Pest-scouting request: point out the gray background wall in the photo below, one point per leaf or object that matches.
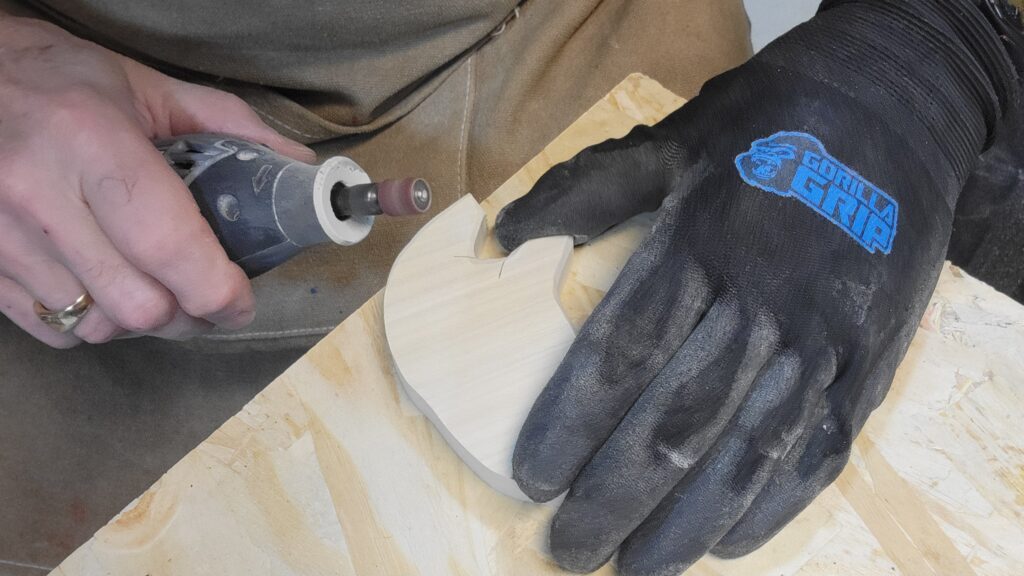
(771, 18)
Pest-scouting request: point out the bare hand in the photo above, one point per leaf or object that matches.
(87, 204)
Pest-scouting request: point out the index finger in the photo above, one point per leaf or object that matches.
(632, 334)
(150, 216)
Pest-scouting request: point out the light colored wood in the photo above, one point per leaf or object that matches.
(475, 340)
(331, 470)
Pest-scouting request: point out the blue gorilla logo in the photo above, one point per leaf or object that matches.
(771, 162)
(767, 160)
(796, 164)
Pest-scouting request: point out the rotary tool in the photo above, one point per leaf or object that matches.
(266, 208)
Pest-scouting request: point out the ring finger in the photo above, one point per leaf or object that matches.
(108, 272)
(60, 229)
(44, 279)
(16, 304)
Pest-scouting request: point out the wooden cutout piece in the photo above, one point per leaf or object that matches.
(474, 341)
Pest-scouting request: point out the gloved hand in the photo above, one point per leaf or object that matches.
(806, 201)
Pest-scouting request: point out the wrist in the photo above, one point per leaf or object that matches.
(937, 63)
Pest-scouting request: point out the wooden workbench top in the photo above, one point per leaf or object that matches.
(331, 470)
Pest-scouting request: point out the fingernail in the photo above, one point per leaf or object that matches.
(238, 321)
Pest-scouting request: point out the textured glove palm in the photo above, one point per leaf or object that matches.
(806, 201)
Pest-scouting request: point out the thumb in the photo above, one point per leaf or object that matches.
(200, 109)
(602, 186)
(174, 108)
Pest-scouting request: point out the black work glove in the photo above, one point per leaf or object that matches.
(806, 201)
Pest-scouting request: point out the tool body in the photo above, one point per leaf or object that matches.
(266, 208)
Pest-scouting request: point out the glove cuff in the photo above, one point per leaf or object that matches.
(942, 62)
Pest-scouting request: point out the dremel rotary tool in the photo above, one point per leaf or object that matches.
(266, 208)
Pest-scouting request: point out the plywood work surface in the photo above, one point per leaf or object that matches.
(332, 470)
